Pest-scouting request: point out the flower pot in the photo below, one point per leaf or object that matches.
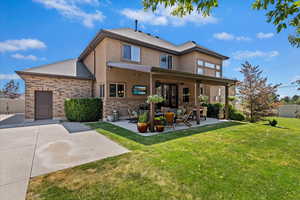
(142, 127)
(159, 128)
(157, 122)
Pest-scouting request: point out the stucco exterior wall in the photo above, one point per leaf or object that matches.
(148, 56)
(61, 88)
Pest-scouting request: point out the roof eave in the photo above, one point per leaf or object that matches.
(52, 75)
(105, 33)
(207, 52)
(196, 76)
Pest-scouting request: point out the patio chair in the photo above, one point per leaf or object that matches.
(170, 116)
(132, 116)
(165, 109)
(204, 113)
(185, 119)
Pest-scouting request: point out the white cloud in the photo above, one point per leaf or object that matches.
(22, 44)
(228, 36)
(162, 17)
(223, 36)
(9, 76)
(242, 38)
(24, 57)
(240, 55)
(237, 69)
(226, 63)
(262, 35)
(297, 77)
(71, 9)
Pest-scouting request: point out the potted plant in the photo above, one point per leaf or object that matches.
(152, 100)
(159, 124)
(142, 124)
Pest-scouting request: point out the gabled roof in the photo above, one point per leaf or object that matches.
(147, 40)
(71, 68)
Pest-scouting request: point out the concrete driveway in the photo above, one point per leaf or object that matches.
(35, 150)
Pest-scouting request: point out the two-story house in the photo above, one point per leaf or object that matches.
(124, 66)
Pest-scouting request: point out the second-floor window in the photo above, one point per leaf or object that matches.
(200, 70)
(218, 74)
(166, 61)
(132, 53)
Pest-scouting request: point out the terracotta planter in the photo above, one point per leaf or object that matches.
(159, 128)
(142, 127)
(156, 122)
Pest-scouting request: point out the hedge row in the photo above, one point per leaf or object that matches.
(83, 109)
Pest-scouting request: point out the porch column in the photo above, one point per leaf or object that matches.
(226, 101)
(197, 88)
(151, 114)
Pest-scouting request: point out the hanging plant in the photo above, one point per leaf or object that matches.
(155, 99)
(203, 99)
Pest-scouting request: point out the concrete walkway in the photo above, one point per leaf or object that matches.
(35, 150)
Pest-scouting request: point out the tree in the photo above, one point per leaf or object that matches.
(297, 82)
(282, 13)
(286, 100)
(11, 88)
(256, 94)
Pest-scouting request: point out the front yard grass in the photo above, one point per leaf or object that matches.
(222, 161)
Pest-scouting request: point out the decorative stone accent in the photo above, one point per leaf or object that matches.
(61, 88)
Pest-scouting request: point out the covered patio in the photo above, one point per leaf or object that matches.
(180, 91)
(132, 126)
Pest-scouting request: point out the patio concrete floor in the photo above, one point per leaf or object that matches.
(132, 126)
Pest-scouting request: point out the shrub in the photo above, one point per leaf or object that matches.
(234, 114)
(213, 109)
(83, 110)
(273, 122)
(237, 116)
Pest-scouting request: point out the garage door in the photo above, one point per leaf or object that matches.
(43, 105)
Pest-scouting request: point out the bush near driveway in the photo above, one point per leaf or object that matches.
(83, 110)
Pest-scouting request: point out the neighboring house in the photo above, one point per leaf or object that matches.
(123, 67)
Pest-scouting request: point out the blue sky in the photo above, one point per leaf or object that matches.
(36, 32)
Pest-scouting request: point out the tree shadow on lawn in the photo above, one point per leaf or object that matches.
(155, 139)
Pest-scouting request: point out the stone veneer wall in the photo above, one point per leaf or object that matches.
(61, 88)
(121, 105)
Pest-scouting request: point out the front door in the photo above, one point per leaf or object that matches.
(170, 93)
(43, 105)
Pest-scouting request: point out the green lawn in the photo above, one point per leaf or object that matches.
(224, 161)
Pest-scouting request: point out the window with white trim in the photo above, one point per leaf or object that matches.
(200, 62)
(132, 53)
(116, 90)
(210, 65)
(166, 61)
(218, 74)
(200, 70)
(218, 67)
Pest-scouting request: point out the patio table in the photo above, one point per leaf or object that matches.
(195, 112)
